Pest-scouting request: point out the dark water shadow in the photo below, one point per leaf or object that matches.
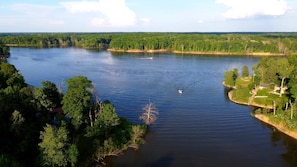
(278, 138)
(164, 161)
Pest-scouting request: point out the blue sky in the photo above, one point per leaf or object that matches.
(148, 16)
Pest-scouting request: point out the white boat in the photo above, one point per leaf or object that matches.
(149, 58)
(180, 91)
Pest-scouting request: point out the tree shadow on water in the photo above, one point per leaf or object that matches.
(164, 161)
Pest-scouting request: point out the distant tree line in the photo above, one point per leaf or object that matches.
(237, 43)
(4, 50)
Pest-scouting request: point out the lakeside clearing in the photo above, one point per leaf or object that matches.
(265, 118)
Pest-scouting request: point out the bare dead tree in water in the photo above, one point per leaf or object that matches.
(95, 106)
(150, 113)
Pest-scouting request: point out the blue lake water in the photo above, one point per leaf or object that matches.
(201, 127)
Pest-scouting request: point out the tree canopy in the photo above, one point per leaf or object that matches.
(40, 126)
(224, 43)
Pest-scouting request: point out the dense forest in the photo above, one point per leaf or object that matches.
(272, 86)
(199, 43)
(49, 126)
(4, 51)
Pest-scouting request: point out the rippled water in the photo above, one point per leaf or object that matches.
(201, 127)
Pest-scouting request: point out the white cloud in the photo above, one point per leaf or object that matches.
(56, 22)
(239, 9)
(200, 21)
(97, 22)
(145, 21)
(115, 12)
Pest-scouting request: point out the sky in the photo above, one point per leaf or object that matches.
(148, 16)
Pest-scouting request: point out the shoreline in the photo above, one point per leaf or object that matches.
(260, 54)
(255, 54)
(264, 118)
(138, 51)
(279, 126)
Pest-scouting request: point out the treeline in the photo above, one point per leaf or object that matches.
(46, 126)
(228, 43)
(4, 50)
(89, 41)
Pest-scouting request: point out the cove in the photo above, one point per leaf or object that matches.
(200, 127)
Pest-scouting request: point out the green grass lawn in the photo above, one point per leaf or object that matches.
(266, 101)
(241, 95)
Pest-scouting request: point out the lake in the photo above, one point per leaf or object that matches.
(199, 127)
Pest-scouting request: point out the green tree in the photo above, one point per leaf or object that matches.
(41, 100)
(72, 154)
(55, 148)
(17, 121)
(76, 99)
(228, 77)
(245, 71)
(53, 145)
(235, 74)
(52, 93)
(8, 161)
(4, 50)
(104, 119)
(136, 136)
(284, 71)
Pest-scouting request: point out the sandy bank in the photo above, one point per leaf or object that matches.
(264, 118)
(278, 126)
(196, 53)
(232, 54)
(138, 51)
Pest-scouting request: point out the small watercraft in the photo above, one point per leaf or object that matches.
(180, 91)
(149, 58)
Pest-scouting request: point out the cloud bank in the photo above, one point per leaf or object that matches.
(239, 9)
(112, 12)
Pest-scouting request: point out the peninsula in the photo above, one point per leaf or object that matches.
(271, 89)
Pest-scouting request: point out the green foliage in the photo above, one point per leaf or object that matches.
(17, 121)
(55, 148)
(236, 43)
(52, 93)
(230, 77)
(72, 154)
(241, 95)
(266, 70)
(76, 99)
(245, 71)
(105, 120)
(41, 100)
(107, 117)
(8, 161)
(4, 50)
(46, 98)
(137, 134)
(27, 130)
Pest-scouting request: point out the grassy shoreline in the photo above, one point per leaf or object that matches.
(265, 118)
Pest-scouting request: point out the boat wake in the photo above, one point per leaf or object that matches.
(147, 58)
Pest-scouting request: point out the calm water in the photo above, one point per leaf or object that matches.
(201, 127)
